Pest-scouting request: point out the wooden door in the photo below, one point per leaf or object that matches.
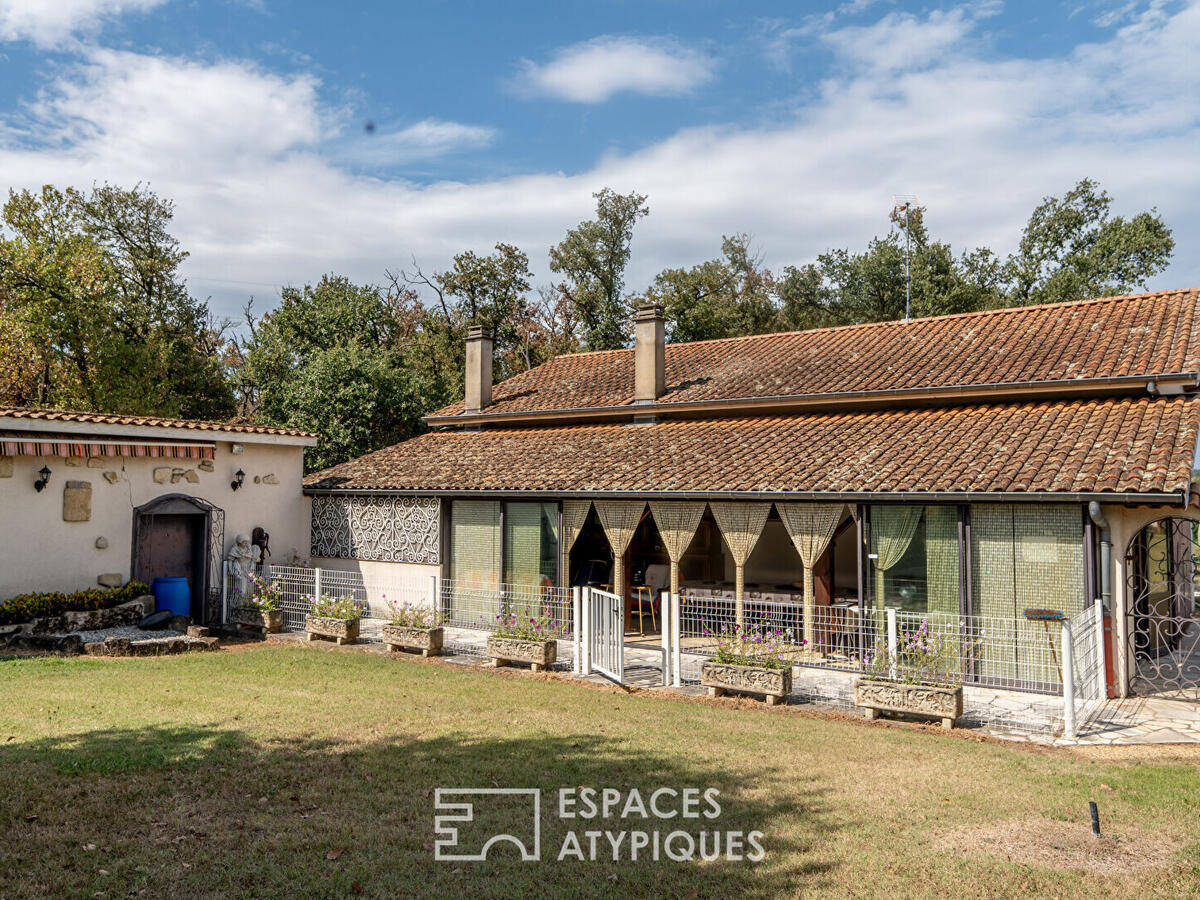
(171, 546)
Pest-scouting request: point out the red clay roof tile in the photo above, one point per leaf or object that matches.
(1142, 444)
(1134, 335)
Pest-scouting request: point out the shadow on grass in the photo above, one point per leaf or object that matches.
(200, 812)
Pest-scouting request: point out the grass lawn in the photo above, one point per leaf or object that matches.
(274, 771)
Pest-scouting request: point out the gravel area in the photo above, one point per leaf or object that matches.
(127, 631)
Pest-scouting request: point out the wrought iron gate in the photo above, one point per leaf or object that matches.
(1163, 613)
(606, 634)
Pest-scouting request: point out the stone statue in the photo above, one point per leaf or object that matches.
(242, 558)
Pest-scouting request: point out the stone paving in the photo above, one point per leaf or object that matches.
(1013, 715)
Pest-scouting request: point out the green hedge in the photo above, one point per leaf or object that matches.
(24, 607)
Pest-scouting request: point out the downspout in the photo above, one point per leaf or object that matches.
(1105, 556)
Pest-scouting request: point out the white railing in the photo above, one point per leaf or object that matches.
(1089, 682)
(300, 585)
(482, 606)
(990, 651)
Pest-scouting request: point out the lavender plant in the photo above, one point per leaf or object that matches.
(759, 646)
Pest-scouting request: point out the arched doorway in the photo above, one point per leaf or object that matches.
(1163, 562)
(180, 535)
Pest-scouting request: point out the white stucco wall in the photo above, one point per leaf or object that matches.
(41, 552)
(387, 581)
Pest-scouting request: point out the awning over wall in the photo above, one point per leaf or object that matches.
(11, 445)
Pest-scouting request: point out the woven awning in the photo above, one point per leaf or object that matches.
(23, 446)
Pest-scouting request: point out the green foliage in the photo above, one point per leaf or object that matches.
(344, 361)
(410, 615)
(924, 655)
(530, 624)
(97, 315)
(335, 608)
(265, 595)
(592, 258)
(725, 297)
(25, 607)
(1072, 248)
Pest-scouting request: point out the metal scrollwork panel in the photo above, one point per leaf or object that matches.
(383, 529)
(1164, 614)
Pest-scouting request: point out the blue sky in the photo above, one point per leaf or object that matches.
(795, 123)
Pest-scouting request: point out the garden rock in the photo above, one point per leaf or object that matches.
(156, 621)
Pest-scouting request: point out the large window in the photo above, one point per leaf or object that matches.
(475, 543)
(914, 558)
(1023, 556)
(530, 544)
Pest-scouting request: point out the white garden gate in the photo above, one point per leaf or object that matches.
(605, 633)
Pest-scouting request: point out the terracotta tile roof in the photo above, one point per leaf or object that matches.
(1143, 445)
(59, 415)
(1136, 335)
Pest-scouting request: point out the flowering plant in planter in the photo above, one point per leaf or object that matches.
(410, 615)
(265, 596)
(333, 617)
(924, 656)
(335, 608)
(922, 677)
(749, 659)
(526, 635)
(530, 625)
(745, 645)
(413, 628)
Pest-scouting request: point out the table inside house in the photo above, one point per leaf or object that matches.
(835, 624)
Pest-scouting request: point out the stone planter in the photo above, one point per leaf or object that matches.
(538, 654)
(773, 684)
(269, 621)
(401, 637)
(945, 703)
(344, 631)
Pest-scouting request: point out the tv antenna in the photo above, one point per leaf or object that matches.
(906, 203)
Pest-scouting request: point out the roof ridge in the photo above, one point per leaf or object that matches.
(977, 313)
(50, 414)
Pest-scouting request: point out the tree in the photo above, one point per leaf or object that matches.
(92, 283)
(1072, 249)
(343, 360)
(725, 297)
(592, 258)
(491, 291)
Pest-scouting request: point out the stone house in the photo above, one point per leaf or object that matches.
(90, 499)
(973, 467)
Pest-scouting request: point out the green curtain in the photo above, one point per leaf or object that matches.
(941, 560)
(475, 562)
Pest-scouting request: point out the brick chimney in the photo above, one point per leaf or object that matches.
(649, 354)
(479, 368)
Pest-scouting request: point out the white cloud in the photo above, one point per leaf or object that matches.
(428, 139)
(50, 22)
(901, 41)
(251, 159)
(595, 70)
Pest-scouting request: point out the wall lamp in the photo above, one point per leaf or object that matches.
(43, 480)
(239, 477)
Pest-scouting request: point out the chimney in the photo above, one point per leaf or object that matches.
(649, 354)
(479, 368)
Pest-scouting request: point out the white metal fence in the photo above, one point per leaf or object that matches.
(992, 651)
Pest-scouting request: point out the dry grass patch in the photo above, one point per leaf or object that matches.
(1066, 846)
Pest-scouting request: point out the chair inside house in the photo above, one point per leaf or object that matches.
(648, 597)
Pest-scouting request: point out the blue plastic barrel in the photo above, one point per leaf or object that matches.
(172, 594)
